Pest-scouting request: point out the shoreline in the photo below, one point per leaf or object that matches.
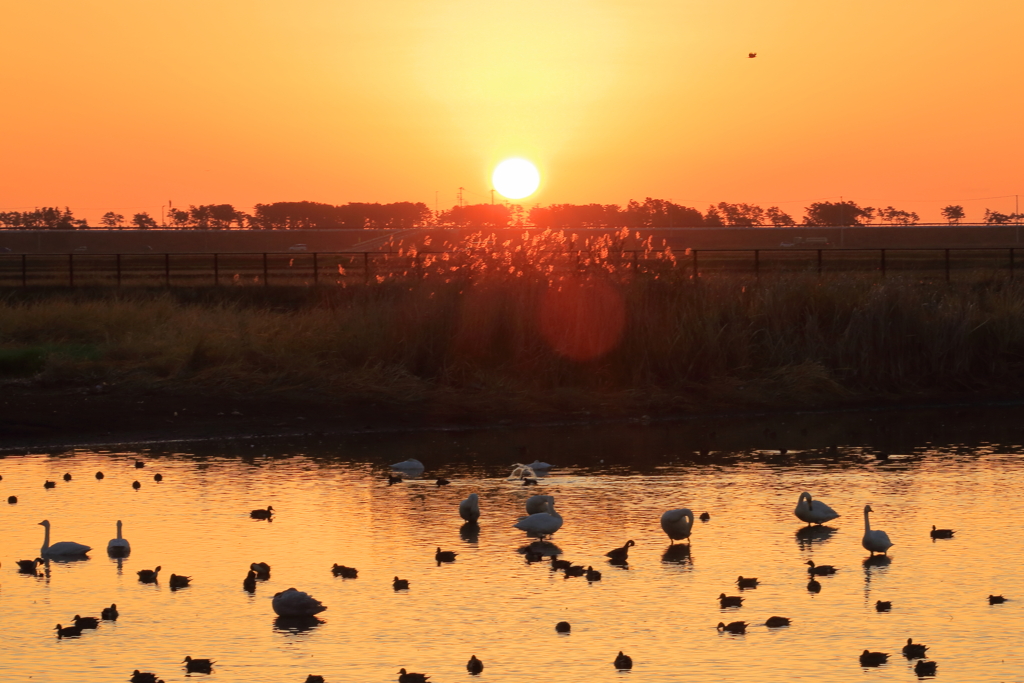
(46, 419)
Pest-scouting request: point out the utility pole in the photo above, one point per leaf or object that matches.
(460, 196)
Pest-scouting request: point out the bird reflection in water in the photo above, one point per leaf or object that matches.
(677, 554)
(541, 548)
(296, 625)
(807, 536)
(470, 532)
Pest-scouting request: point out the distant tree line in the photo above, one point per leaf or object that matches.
(651, 213)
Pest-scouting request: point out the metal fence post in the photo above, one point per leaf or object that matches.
(316, 271)
(264, 269)
(167, 269)
(71, 270)
(118, 270)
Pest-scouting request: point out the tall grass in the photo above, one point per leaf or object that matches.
(538, 336)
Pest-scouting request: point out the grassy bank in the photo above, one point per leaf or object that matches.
(525, 342)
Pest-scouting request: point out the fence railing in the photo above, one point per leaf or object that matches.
(323, 268)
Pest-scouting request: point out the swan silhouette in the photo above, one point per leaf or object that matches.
(469, 509)
(542, 523)
(874, 541)
(813, 511)
(295, 603)
(677, 524)
(521, 471)
(535, 504)
(118, 547)
(61, 549)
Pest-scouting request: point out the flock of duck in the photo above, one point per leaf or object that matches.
(541, 521)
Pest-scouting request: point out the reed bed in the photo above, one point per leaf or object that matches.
(505, 330)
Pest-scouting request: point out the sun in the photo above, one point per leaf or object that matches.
(516, 178)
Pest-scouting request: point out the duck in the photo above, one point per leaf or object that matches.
(542, 523)
(813, 511)
(730, 600)
(99, 475)
(313, 678)
(118, 547)
(110, 613)
(819, 570)
(875, 540)
(67, 476)
(914, 650)
(67, 631)
(136, 485)
(559, 564)
(12, 499)
(873, 658)
(249, 582)
(142, 677)
(49, 484)
(883, 605)
(620, 554)
(86, 622)
(996, 599)
(344, 572)
(148, 575)
(813, 585)
(203, 666)
(139, 464)
(61, 549)
(746, 583)
(400, 584)
(593, 574)
(262, 514)
(409, 677)
(705, 517)
(178, 581)
(469, 509)
(529, 482)
(262, 570)
(575, 570)
(532, 557)
(442, 482)
(158, 477)
(623, 661)
(923, 668)
(474, 665)
(563, 627)
(394, 479)
(29, 566)
(677, 524)
(444, 555)
(733, 627)
(295, 603)
(942, 533)
(538, 503)
(776, 622)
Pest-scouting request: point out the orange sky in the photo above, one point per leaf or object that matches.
(124, 104)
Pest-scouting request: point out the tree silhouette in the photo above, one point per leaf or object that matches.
(112, 220)
(997, 218)
(143, 221)
(897, 217)
(953, 213)
(844, 213)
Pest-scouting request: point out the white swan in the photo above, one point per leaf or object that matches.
(521, 471)
(813, 511)
(62, 549)
(677, 524)
(118, 546)
(541, 523)
(410, 465)
(469, 509)
(535, 504)
(875, 541)
(538, 465)
(295, 603)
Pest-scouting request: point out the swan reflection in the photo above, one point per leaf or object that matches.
(295, 625)
(677, 554)
(542, 548)
(470, 532)
(809, 535)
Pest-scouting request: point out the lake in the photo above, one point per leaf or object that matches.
(611, 484)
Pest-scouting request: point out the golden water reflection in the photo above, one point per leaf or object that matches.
(660, 608)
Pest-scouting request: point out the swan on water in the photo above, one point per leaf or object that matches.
(118, 546)
(521, 471)
(410, 465)
(295, 603)
(61, 549)
(541, 523)
(677, 524)
(535, 504)
(538, 465)
(813, 511)
(874, 541)
(469, 509)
